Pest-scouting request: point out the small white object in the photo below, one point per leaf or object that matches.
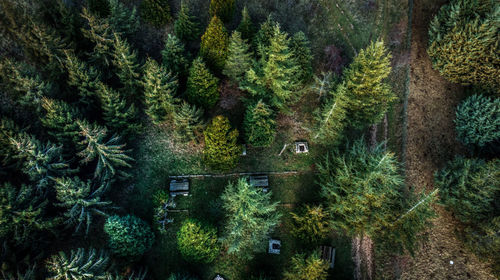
(451, 262)
(274, 246)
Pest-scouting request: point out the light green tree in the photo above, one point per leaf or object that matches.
(310, 224)
(214, 44)
(59, 120)
(331, 117)
(196, 242)
(221, 149)
(85, 78)
(239, 59)
(128, 69)
(202, 86)
(259, 125)
(188, 121)
(82, 264)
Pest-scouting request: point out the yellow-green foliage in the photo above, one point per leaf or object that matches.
(196, 242)
(221, 151)
(224, 9)
(156, 12)
(202, 86)
(214, 44)
(311, 224)
(307, 268)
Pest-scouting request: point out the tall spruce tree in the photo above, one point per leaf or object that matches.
(331, 117)
(60, 122)
(100, 33)
(118, 116)
(81, 264)
(224, 9)
(301, 52)
(246, 27)
(128, 69)
(214, 44)
(251, 216)
(173, 56)
(123, 20)
(159, 91)
(186, 26)
(368, 94)
(85, 78)
(221, 150)
(239, 59)
(259, 125)
(202, 86)
(188, 121)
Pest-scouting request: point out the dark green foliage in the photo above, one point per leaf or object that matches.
(179, 276)
(107, 153)
(214, 44)
(159, 91)
(161, 204)
(99, 7)
(173, 56)
(128, 236)
(82, 264)
(484, 241)
(123, 20)
(80, 201)
(8, 130)
(202, 86)
(128, 68)
(239, 58)
(59, 120)
(310, 224)
(463, 42)
(251, 216)
(246, 27)
(196, 242)
(331, 117)
(156, 12)
(221, 150)
(118, 116)
(478, 120)
(307, 268)
(259, 125)
(186, 26)
(262, 39)
(188, 121)
(100, 33)
(83, 77)
(301, 53)
(224, 9)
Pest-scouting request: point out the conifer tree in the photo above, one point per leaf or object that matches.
(259, 125)
(214, 44)
(239, 59)
(116, 113)
(59, 120)
(307, 268)
(80, 201)
(186, 26)
(128, 69)
(224, 9)
(128, 236)
(100, 33)
(107, 152)
(85, 78)
(122, 20)
(221, 150)
(173, 56)
(99, 7)
(301, 52)
(188, 121)
(196, 242)
(368, 94)
(251, 216)
(8, 130)
(246, 27)
(159, 91)
(262, 39)
(202, 86)
(310, 224)
(331, 117)
(155, 12)
(81, 264)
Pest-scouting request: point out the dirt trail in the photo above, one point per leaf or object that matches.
(431, 142)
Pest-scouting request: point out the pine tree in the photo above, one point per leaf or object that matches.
(197, 243)
(224, 9)
(123, 20)
(331, 117)
(246, 27)
(259, 125)
(128, 236)
(221, 150)
(173, 56)
(251, 216)
(202, 86)
(128, 68)
(214, 44)
(262, 39)
(239, 59)
(307, 268)
(186, 26)
(59, 120)
(188, 121)
(463, 41)
(369, 96)
(8, 130)
(82, 264)
(159, 91)
(301, 52)
(310, 224)
(478, 121)
(108, 152)
(116, 113)
(156, 12)
(80, 202)
(100, 33)
(83, 77)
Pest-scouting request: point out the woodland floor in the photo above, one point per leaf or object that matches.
(431, 142)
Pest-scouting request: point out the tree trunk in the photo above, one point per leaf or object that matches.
(362, 256)
(373, 137)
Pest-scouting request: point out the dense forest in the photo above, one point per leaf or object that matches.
(105, 105)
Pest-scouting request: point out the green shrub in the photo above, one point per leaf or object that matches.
(156, 12)
(128, 236)
(221, 151)
(196, 242)
(310, 224)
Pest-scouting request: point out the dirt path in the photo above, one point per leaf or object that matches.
(431, 142)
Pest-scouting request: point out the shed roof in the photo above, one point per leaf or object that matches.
(179, 185)
(259, 180)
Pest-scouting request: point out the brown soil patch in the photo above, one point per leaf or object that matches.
(431, 142)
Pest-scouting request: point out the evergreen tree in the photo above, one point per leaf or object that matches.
(80, 202)
(99, 7)
(123, 20)
(301, 52)
(307, 268)
(251, 216)
(196, 242)
(463, 43)
(100, 33)
(224, 9)
(310, 224)
(478, 121)
(108, 152)
(159, 91)
(83, 77)
(156, 12)
(81, 265)
(246, 27)
(202, 85)
(239, 59)
(116, 113)
(59, 120)
(214, 44)
(259, 125)
(369, 96)
(331, 117)
(188, 121)
(128, 69)
(128, 236)
(186, 26)
(8, 130)
(221, 150)
(262, 39)
(173, 56)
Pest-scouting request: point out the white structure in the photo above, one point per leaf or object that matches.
(301, 147)
(274, 246)
(218, 277)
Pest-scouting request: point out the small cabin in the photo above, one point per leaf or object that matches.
(301, 147)
(274, 246)
(328, 255)
(261, 181)
(179, 187)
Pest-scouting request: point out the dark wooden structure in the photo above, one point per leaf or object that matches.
(179, 187)
(260, 181)
(328, 254)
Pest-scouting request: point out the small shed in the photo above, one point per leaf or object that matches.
(274, 246)
(261, 181)
(218, 277)
(179, 187)
(301, 147)
(328, 255)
